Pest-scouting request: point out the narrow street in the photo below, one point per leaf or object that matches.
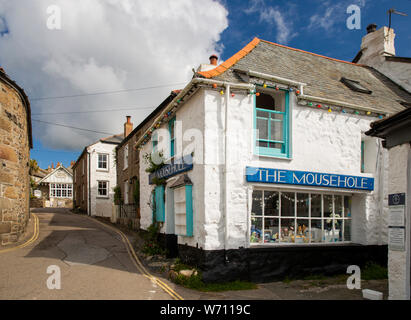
(93, 260)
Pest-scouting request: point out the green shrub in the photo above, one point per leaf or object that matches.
(373, 271)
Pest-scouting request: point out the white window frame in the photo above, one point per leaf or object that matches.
(61, 190)
(126, 192)
(106, 161)
(106, 188)
(309, 217)
(125, 153)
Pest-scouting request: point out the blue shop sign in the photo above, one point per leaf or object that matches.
(306, 178)
(171, 169)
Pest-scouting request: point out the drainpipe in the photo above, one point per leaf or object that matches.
(89, 184)
(380, 171)
(227, 100)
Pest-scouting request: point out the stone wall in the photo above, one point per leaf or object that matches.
(14, 165)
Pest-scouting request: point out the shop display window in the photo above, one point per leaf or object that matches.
(299, 218)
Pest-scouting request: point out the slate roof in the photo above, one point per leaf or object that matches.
(116, 139)
(321, 74)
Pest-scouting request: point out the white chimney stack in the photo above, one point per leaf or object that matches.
(377, 44)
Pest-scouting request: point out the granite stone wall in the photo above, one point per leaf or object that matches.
(14, 166)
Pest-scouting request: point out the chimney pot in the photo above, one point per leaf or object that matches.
(128, 126)
(213, 59)
(371, 28)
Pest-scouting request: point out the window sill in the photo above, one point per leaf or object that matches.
(103, 198)
(299, 245)
(102, 170)
(273, 156)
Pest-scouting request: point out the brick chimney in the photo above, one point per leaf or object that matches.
(205, 66)
(52, 165)
(377, 44)
(128, 126)
(213, 59)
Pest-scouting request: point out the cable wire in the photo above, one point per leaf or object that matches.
(66, 126)
(107, 92)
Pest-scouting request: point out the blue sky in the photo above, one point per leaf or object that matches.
(314, 25)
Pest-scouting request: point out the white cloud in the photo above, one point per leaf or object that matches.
(281, 18)
(332, 14)
(104, 46)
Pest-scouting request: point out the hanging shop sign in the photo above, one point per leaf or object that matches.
(306, 178)
(396, 222)
(178, 166)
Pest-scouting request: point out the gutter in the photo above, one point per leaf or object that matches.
(187, 88)
(302, 96)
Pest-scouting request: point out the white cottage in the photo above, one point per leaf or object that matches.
(56, 188)
(277, 177)
(95, 177)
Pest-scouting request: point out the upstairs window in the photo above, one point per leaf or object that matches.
(125, 156)
(271, 121)
(102, 162)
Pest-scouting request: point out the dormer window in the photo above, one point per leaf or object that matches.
(355, 85)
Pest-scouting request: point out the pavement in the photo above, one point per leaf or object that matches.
(95, 263)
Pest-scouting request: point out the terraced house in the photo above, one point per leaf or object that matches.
(15, 144)
(128, 160)
(94, 177)
(266, 168)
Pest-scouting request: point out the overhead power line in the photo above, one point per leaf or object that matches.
(107, 92)
(66, 126)
(92, 111)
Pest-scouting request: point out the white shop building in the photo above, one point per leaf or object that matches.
(278, 177)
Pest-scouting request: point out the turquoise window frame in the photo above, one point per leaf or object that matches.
(189, 210)
(159, 203)
(171, 127)
(285, 151)
(362, 156)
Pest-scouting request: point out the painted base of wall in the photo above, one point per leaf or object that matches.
(264, 264)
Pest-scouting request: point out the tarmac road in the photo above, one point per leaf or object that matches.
(93, 262)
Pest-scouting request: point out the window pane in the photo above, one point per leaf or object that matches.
(316, 205)
(287, 204)
(302, 235)
(262, 127)
(277, 130)
(328, 207)
(257, 208)
(256, 227)
(347, 230)
(338, 205)
(338, 229)
(347, 206)
(303, 204)
(271, 203)
(270, 230)
(263, 114)
(263, 144)
(287, 230)
(316, 233)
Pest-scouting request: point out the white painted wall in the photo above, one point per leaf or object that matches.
(399, 261)
(100, 206)
(321, 142)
